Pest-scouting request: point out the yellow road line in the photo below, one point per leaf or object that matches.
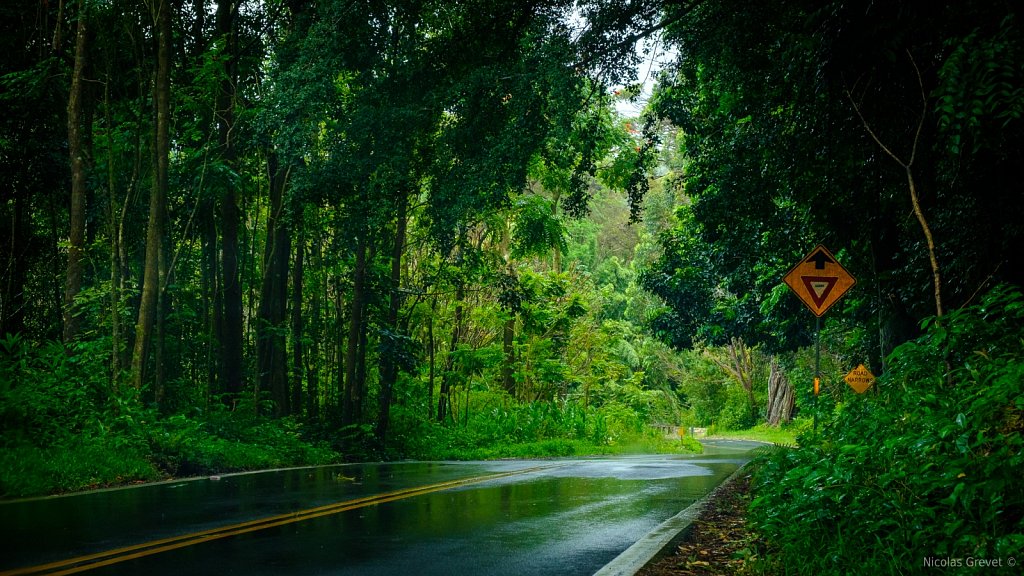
(106, 558)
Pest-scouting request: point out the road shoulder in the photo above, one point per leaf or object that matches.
(718, 541)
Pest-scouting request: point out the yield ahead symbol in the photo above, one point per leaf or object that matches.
(818, 280)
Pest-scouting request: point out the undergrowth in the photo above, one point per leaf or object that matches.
(924, 476)
(65, 429)
(540, 429)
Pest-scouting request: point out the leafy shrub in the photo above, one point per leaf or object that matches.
(232, 441)
(929, 468)
(46, 394)
(76, 465)
(736, 414)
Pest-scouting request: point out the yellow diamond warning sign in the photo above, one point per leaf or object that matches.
(818, 280)
(860, 379)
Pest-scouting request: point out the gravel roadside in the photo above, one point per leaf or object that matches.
(718, 542)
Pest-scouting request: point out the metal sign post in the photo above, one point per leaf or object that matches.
(819, 281)
(817, 369)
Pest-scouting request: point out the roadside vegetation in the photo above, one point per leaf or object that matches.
(257, 234)
(926, 470)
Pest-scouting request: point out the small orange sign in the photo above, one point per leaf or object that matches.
(818, 280)
(860, 379)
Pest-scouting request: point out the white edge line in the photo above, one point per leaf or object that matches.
(632, 559)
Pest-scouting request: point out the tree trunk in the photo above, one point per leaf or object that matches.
(271, 355)
(160, 336)
(312, 360)
(508, 333)
(231, 330)
(115, 270)
(389, 362)
(298, 366)
(907, 165)
(340, 349)
(151, 283)
(431, 353)
(780, 396)
(443, 393)
(12, 300)
(76, 241)
(352, 402)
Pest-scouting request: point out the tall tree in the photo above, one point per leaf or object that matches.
(77, 152)
(230, 331)
(152, 282)
(271, 328)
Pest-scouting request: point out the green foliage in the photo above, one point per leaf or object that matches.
(929, 468)
(535, 230)
(65, 430)
(979, 91)
(231, 441)
(48, 396)
(500, 429)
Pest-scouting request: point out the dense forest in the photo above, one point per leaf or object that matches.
(242, 234)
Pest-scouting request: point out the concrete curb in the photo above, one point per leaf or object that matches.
(651, 544)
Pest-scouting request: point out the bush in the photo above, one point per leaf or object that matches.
(928, 468)
(76, 465)
(232, 441)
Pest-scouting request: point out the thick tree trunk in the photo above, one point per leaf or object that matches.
(230, 331)
(351, 404)
(76, 241)
(780, 396)
(212, 302)
(271, 355)
(151, 283)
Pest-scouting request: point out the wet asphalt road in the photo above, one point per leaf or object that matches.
(567, 516)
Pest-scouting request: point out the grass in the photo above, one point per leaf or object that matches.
(785, 434)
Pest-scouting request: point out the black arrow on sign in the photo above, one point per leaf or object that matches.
(820, 259)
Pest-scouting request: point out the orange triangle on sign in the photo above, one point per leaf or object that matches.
(819, 287)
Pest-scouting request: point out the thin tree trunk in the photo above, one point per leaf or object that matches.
(115, 270)
(340, 349)
(389, 363)
(298, 367)
(160, 335)
(443, 394)
(431, 352)
(508, 333)
(929, 239)
(151, 283)
(76, 241)
(312, 360)
(914, 199)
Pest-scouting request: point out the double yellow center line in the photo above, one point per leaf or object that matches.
(106, 558)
